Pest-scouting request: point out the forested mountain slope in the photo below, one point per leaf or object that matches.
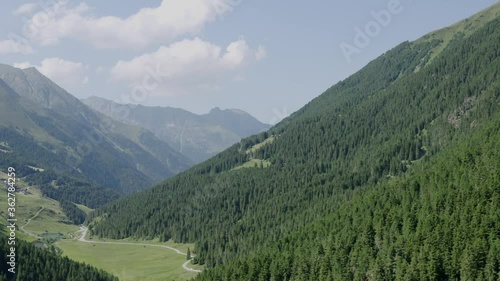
(392, 174)
(197, 136)
(42, 124)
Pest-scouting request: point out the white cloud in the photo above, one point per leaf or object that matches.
(171, 19)
(236, 53)
(26, 9)
(13, 47)
(185, 66)
(23, 65)
(67, 74)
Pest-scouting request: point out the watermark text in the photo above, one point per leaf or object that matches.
(372, 29)
(11, 219)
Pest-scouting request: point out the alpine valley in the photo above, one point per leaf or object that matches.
(199, 137)
(44, 126)
(70, 159)
(390, 174)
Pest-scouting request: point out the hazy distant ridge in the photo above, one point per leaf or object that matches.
(196, 136)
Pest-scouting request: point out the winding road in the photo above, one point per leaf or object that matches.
(29, 220)
(84, 231)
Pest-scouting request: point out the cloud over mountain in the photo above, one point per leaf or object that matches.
(68, 74)
(191, 63)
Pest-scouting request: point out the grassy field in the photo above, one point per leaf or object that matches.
(130, 262)
(467, 27)
(86, 209)
(260, 145)
(254, 163)
(51, 219)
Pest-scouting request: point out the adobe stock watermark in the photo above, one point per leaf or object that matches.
(150, 82)
(11, 220)
(222, 7)
(278, 115)
(363, 36)
(40, 19)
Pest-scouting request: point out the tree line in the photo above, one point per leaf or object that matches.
(391, 174)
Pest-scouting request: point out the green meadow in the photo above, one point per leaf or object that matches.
(40, 216)
(36, 215)
(130, 262)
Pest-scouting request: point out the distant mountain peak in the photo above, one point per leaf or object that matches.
(229, 111)
(57, 124)
(31, 69)
(197, 136)
(237, 111)
(33, 86)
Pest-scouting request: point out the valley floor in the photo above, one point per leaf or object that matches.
(40, 217)
(131, 260)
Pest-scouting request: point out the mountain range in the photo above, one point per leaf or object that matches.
(199, 137)
(391, 174)
(64, 134)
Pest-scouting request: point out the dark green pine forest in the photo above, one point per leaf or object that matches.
(65, 188)
(391, 174)
(40, 265)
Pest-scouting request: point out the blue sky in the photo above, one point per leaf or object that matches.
(268, 58)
